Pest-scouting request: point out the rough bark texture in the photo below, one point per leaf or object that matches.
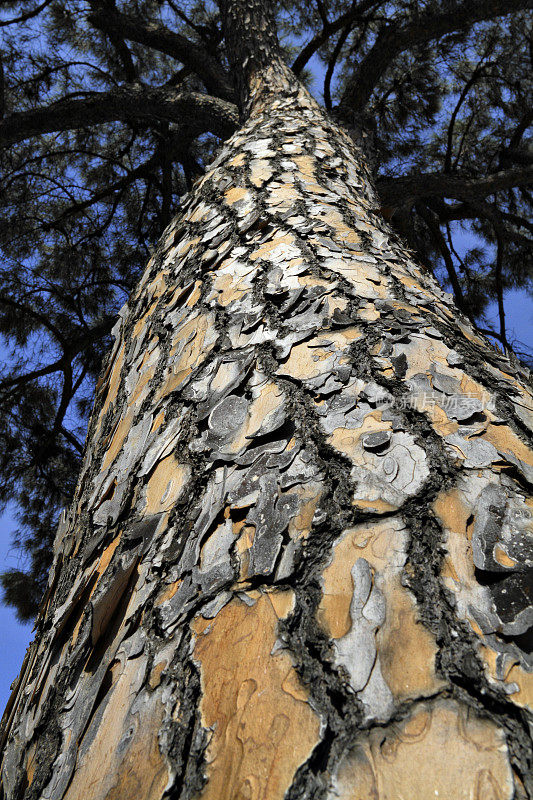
(298, 562)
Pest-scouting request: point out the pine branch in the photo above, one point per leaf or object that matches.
(203, 113)
(498, 280)
(478, 209)
(329, 29)
(159, 37)
(332, 63)
(56, 366)
(27, 15)
(432, 223)
(399, 191)
(125, 57)
(476, 74)
(398, 37)
(176, 148)
(38, 316)
(71, 348)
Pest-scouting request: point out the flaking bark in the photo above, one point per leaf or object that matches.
(297, 561)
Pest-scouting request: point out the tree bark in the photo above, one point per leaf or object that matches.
(296, 564)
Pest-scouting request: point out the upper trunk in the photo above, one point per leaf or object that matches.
(251, 44)
(296, 560)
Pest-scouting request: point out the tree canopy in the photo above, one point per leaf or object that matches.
(110, 111)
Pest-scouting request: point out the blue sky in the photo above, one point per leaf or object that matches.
(15, 637)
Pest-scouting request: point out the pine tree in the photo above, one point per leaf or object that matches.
(298, 558)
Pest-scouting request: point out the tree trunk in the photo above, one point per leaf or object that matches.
(298, 562)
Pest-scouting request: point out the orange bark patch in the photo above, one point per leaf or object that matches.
(472, 337)
(114, 381)
(31, 763)
(143, 321)
(347, 439)
(167, 593)
(306, 165)
(518, 683)
(283, 604)
(371, 542)
(165, 485)
(313, 358)
(506, 441)
(157, 286)
(119, 437)
(524, 680)
(452, 511)
(235, 194)
(107, 555)
(155, 675)
(199, 336)
(136, 768)
(422, 354)
(454, 514)
(144, 379)
(269, 399)
(309, 495)
(238, 161)
(262, 726)
(406, 649)
(377, 505)
(230, 286)
(158, 421)
(243, 547)
(502, 558)
(267, 247)
(368, 313)
(456, 517)
(260, 171)
(442, 752)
